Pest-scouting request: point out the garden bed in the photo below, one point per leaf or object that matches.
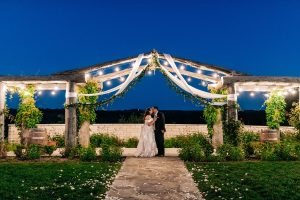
(247, 180)
(56, 179)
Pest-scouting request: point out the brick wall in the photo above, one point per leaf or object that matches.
(124, 131)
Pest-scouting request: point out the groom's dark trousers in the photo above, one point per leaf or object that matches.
(159, 133)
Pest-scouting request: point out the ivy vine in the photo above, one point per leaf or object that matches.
(275, 110)
(28, 115)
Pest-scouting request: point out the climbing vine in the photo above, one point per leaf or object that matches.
(275, 110)
(88, 112)
(28, 115)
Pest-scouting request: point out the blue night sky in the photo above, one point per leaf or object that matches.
(44, 37)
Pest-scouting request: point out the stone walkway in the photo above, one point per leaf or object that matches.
(153, 178)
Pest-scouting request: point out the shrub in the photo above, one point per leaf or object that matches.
(257, 149)
(131, 143)
(231, 131)
(202, 141)
(192, 152)
(20, 151)
(33, 152)
(111, 153)
(72, 152)
(170, 143)
(290, 136)
(60, 140)
(87, 154)
(294, 117)
(97, 140)
(275, 110)
(245, 139)
(229, 152)
(49, 149)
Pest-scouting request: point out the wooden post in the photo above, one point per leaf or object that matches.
(70, 117)
(217, 138)
(2, 107)
(232, 113)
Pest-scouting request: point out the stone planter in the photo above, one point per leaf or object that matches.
(270, 135)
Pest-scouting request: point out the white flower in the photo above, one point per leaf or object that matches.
(72, 188)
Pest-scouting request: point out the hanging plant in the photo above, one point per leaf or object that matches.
(210, 113)
(87, 112)
(28, 115)
(275, 110)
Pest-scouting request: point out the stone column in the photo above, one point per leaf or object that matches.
(70, 116)
(217, 138)
(232, 113)
(2, 107)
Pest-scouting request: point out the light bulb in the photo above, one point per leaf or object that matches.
(165, 63)
(53, 93)
(252, 94)
(56, 88)
(182, 67)
(189, 79)
(122, 79)
(108, 82)
(203, 83)
(149, 72)
(40, 92)
(100, 72)
(149, 60)
(117, 69)
(199, 71)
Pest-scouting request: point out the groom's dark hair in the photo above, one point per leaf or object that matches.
(155, 107)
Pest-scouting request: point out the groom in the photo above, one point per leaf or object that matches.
(159, 130)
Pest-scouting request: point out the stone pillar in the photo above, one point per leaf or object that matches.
(217, 138)
(2, 107)
(232, 113)
(70, 116)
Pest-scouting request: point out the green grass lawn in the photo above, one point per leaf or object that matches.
(53, 180)
(247, 180)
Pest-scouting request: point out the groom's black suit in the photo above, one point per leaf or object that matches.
(160, 129)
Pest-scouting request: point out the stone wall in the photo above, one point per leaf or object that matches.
(125, 131)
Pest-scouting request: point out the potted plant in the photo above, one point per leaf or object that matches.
(28, 115)
(275, 115)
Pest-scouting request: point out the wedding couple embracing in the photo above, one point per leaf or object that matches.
(151, 142)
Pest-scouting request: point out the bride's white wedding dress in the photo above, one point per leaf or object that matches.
(147, 145)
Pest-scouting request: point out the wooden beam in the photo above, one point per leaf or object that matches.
(2, 107)
(227, 80)
(70, 117)
(77, 78)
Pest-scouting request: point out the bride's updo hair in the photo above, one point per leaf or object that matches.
(147, 112)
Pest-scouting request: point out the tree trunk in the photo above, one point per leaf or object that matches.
(84, 134)
(217, 138)
(25, 134)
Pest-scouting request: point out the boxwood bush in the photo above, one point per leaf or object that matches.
(229, 152)
(97, 140)
(111, 153)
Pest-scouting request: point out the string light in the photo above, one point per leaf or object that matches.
(189, 79)
(165, 63)
(132, 64)
(199, 71)
(203, 83)
(182, 67)
(122, 79)
(252, 94)
(149, 60)
(39, 87)
(100, 72)
(87, 75)
(215, 75)
(108, 82)
(285, 93)
(53, 93)
(149, 72)
(240, 90)
(22, 86)
(56, 88)
(266, 95)
(40, 92)
(293, 92)
(117, 69)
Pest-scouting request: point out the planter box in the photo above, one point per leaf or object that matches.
(270, 135)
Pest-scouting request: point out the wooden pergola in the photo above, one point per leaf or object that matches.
(214, 76)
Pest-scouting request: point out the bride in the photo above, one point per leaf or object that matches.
(147, 145)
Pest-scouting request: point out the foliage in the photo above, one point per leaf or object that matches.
(88, 112)
(28, 115)
(192, 152)
(245, 139)
(72, 153)
(231, 130)
(111, 153)
(97, 140)
(294, 116)
(49, 149)
(20, 151)
(60, 140)
(33, 151)
(87, 154)
(131, 143)
(56, 179)
(194, 147)
(230, 153)
(247, 180)
(210, 113)
(290, 135)
(275, 110)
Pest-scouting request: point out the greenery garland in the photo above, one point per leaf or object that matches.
(28, 115)
(88, 113)
(275, 110)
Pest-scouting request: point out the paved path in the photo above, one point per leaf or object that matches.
(153, 178)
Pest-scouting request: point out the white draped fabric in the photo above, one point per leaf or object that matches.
(180, 81)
